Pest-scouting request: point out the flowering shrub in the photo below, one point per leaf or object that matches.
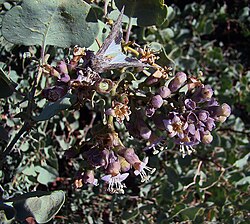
(143, 130)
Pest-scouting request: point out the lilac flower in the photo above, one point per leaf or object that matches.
(156, 101)
(115, 182)
(175, 126)
(178, 81)
(164, 92)
(141, 168)
(190, 104)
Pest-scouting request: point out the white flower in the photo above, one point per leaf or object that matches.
(115, 182)
(141, 168)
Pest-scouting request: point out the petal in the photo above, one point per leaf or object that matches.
(123, 176)
(106, 177)
(145, 161)
(136, 172)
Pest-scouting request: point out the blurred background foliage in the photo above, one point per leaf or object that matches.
(211, 186)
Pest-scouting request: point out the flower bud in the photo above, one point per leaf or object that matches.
(190, 104)
(223, 110)
(114, 168)
(151, 80)
(164, 92)
(203, 115)
(207, 137)
(156, 101)
(64, 78)
(88, 178)
(130, 156)
(179, 79)
(104, 86)
(62, 67)
(206, 92)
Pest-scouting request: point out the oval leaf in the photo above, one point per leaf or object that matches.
(50, 22)
(42, 208)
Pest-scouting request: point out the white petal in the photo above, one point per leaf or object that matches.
(106, 177)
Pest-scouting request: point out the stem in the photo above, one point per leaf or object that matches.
(9, 148)
(128, 31)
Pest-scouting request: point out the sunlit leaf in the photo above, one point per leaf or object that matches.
(42, 207)
(50, 22)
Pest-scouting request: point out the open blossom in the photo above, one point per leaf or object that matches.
(141, 168)
(120, 111)
(115, 182)
(175, 126)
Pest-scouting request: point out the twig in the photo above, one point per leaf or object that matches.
(198, 171)
(128, 30)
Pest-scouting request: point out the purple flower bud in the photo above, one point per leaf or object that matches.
(151, 80)
(130, 156)
(176, 83)
(206, 92)
(64, 78)
(156, 101)
(62, 67)
(190, 104)
(203, 115)
(54, 93)
(164, 92)
(210, 124)
(114, 168)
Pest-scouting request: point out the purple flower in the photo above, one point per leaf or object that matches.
(115, 182)
(141, 168)
(203, 115)
(177, 82)
(190, 104)
(175, 126)
(156, 101)
(164, 92)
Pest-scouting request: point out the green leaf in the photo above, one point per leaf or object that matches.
(54, 108)
(147, 12)
(42, 208)
(7, 86)
(243, 161)
(46, 174)
(50, 22)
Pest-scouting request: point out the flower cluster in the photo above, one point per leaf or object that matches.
(154, 109)
(192, 114)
